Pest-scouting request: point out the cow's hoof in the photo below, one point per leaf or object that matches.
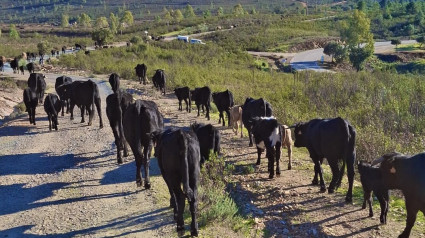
(383, 221)
(271, 176)
(258, 163)
(278, 174)
(315, 182)
(370, 214)
(139, 184)
(180, 231)
(364, 206)
(125, 154)
(331, 190)
(71, 118)
(101, 126)
(348, 199)
(194, 233)
(289, 167)
(147, 185)
(56, 128)
(250, 144)
(322, 189)
(119, 161)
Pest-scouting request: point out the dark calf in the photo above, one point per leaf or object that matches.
(31, 102)
(209, 139)
(254, 108)
(65, 100)
(202, 97)
(371, 179)
(159, 80)
(141, 70)
(52, 106)
(223, 101)
(183, 93)
(114, 81)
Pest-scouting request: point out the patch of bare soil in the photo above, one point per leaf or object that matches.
(401, 56)
(312, 44)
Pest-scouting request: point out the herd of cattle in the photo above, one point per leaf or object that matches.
(182, 151)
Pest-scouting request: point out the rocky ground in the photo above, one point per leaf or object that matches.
(67, 183)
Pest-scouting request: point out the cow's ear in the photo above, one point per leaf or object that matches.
(393, 170)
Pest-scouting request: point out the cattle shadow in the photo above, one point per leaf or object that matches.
(126, 173)
(35, 163)
(127, 226)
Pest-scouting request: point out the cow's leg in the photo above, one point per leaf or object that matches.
(146, 158)
(71, 108)
(289, 147)
(241, 125)
(350, 175)
(318, 170)
(383, 204)
(220, 115)
(138, 157)
(82, 109)
(367, 197)
(190, 104)
(187, 104)
(411, 218)
(270, 152)
(208, 111)
(118, 142)
(250, 137)
(386, 197)
(198, 106)
(316, 175)
(193, 207)
(33, 115)
(259, 151)
(180, 105)
(97, 102)
(50, 121)
(333, 163)
(63, 107)
(278, 152)
(228, 117)
(67, 102)
(180, 209)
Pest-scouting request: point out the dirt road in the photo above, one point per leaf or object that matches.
(66, 183)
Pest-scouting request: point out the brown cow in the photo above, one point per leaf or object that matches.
(236, 119)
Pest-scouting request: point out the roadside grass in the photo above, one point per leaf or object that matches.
(409, 47)
(7, 82)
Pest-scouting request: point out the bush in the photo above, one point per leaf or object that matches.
(136, 39)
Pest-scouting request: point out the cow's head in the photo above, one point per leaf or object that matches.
(389, 168)
(193, 94)
(299, 133)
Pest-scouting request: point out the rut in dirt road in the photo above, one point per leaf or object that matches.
(67, 182)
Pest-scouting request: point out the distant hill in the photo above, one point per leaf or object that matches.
(42, 11)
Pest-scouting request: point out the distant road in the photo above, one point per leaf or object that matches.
(170, 38)
(308, 60)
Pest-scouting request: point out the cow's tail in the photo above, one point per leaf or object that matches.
(27, 93)
(349, 153)
(185, 166)
(51, 105)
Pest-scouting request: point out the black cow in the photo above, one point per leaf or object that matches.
(62, 95)
(407, 174)
(1, 66)
(83, 94)
(254, 108)
(31, 67)
(140, 119)
(53, 52)
(268, 136)
(179, 161)
(159, 80)
(114, 81)
(202, 96)
(31, 102)
(63, 49)
(37, 83)
(333, 139)
(52, 106)
(183, 93)
(116, 105)
(371, 179)
(79, 47)
(209, 139)
(14, 65)
(141, 70)
(223, 101)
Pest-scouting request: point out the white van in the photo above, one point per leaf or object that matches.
(183, 38)
(196, 41)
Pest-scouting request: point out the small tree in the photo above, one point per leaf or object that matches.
(206, 13)
(136, 39)
(340, 54)
(238, 10)
(421, 41)
(396, 42)
(330, 49)
(168, 18)
(114, 22)
(361, 6)
(411, 8)
(178, 16)
(84, 20)
(102, 36)
(102, 22)
(253, 11)
(65, 20)
(358, 57)
(127, 18)
(188, 12)
(43, 47)
(220, 12)
(13, 33)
